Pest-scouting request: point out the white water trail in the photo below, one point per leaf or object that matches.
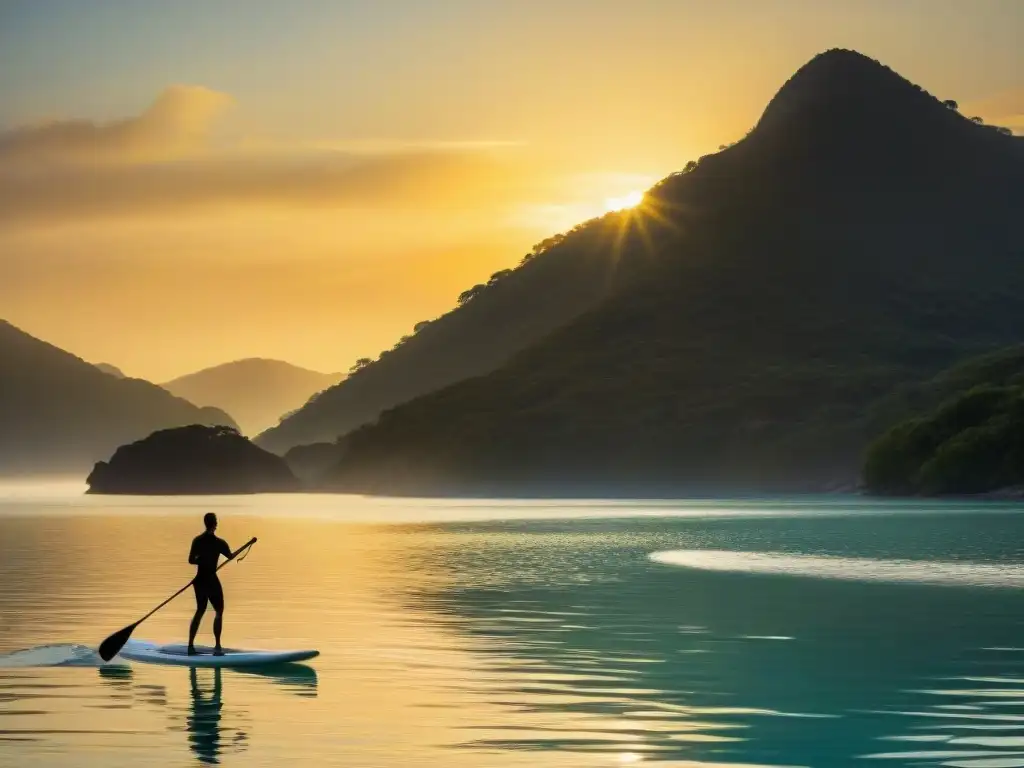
(59, 655)
(847, 568)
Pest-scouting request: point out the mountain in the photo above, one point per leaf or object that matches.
(192, 460)
(113, 370)
(255, 391)
(559, 279)
(863, 236)
(60, 414)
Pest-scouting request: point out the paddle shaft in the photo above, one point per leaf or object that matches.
(165, 602)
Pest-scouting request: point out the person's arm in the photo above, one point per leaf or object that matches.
(229, 555)
(193, 556)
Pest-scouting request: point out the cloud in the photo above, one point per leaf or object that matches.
(176, 124)
(430, 179)
(163, 161)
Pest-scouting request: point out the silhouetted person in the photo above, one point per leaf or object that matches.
(206, 550)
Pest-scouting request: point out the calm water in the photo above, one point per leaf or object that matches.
(774, 633)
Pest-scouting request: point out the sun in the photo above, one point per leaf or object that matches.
(621, 203)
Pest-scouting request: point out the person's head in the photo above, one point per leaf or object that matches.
(210, 521)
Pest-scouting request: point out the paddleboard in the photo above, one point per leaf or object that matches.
(154, 653)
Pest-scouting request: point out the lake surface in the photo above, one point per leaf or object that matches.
(811, 632)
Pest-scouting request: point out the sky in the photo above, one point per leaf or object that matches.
(183, 184)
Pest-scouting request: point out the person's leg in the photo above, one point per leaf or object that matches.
(201, 599)
(217, 601)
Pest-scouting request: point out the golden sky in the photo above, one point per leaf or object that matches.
(183, 184)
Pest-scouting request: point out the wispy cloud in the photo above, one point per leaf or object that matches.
(165, 160)
(178, 123)
(432, 180)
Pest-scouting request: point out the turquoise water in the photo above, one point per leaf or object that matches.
(815, 632)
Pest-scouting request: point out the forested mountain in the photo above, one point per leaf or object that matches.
(863, 236)
(561, 277)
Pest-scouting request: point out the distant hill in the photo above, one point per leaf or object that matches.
(192, 460)
(60, 414)
(863, 236)
(113, 370)
(256, 392)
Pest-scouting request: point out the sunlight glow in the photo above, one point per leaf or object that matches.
(628, 200)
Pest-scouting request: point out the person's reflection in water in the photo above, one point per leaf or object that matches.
(207, 737)
(203, 720)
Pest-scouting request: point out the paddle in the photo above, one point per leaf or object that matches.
(110, 647)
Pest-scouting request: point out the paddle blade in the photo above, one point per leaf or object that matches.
(110, 647)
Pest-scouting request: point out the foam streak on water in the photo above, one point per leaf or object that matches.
(848, 568)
